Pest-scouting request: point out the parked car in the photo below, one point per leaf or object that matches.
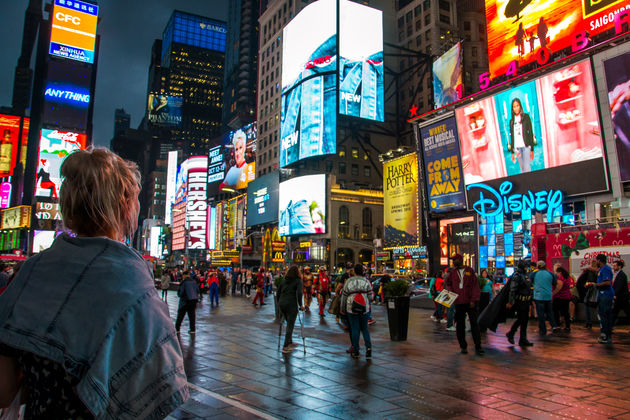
(419, 287)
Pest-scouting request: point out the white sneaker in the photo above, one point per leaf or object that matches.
(451, 328)
(443, 321)
(433, 318)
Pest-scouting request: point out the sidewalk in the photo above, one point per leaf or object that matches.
(236, 370)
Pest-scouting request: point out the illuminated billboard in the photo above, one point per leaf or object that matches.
(546, 124)
(442, 165)
(171, 179)
(361, 89)
(196, 201)
(400, 202)
(67, 95)
(308, 125)
(10, 128)
(302, 205)
(528, 31)
(448, 85)
(165, 110)
(616, 105)
(262, 199)
(73, 31)
(232, 164)
(54, 147)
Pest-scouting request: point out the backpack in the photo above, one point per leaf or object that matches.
(359, 306)
(433, 291)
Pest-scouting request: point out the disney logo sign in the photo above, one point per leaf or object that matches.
(494, 202)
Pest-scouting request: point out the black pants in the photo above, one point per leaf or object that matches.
(233, 288)
(522, 318)
(561, 307)
(618, 305)
(290, 314)
(460, 325)
(187, 308)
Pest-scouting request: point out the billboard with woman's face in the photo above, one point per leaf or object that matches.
(546, 123)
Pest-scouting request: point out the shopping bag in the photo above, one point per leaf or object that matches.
(335, 305)
(446, 298)
(591, 297)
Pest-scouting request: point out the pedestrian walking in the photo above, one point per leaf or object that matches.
(620, 286)
(213, 284)
(588, 275)
(289, 301)
(520, 299)
(260, 284)
(544, 281)
(248, 283)
(485, 285)
(463, 281)
(188, 293)
(355, 302)
(322, 287)
(165, 283)
(562, 297)
(605, 297)
(82, 320)
(435, 288)
(308, 288)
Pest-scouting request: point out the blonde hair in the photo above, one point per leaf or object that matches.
(99, 193)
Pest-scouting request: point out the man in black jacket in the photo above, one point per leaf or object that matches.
(520, 298)
(620, 284)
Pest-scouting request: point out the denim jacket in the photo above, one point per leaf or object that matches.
(309, 115)
(368, 102)
(89, 305)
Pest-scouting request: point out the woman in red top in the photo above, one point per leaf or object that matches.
(438, 286)
(562, 296)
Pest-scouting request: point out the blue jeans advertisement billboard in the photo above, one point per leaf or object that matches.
(442, 165)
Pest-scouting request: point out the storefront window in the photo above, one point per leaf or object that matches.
(344, 223)
(367, 224)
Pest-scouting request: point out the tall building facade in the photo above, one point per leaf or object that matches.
(241, 64)
(122, 121)
(186, 74)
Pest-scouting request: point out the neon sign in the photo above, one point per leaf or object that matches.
(498, 202)
(76, 97)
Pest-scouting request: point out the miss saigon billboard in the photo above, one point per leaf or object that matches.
(533, 30)
(400, 188)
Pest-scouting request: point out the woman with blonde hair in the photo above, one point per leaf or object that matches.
(82, 319)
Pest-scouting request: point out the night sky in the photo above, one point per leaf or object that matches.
(128, 29)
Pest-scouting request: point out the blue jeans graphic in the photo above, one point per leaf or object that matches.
(368, 75)
(296, 219)
(359, 324)
(604, 309)
(545, 313)
(525, 159)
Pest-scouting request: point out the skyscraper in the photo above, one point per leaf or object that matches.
(241, 64)
(185, 95)
(122, 121)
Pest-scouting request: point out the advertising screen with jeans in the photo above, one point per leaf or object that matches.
(308, 124)
(302, 205)
(545, 123)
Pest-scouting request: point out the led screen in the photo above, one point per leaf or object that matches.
(10, 126)
(448, 85)
(67, 95)
(73, 31)
(196, 202)
(400, 202)
(43, 239)
(361, 90)
(232, 164)
(518, 29)
(309, 83)
(54, 147)
(171, 178)
(164, 110)
(262, 200)
(302, 205)
(543, 124)
(617, 72)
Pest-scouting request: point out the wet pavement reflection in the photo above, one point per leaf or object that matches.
(236, 370)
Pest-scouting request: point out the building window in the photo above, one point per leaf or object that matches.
(474, 51)
(354, 170)
(466, 25)
(329, 166)
(418, 24)
(445, 19)
(445, 5)
(367, 224)
(344, 222)
(427, 19)
(426, 5)
(342, 168)
(401, 22)
(342, 151)
(417, 10)
(367, 171)
(408, 17)
(355, 153)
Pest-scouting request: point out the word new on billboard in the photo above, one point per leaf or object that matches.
(400, 185)
(196, 203)
(443, 170)
(73, 32)
(448, 85)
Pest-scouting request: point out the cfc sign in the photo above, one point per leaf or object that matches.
(73, 31)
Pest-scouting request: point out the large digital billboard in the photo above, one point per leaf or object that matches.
(448, 85)
(400, 202)
(67, 95)
(165, 110)
(232, 163)
(308, 124)
(617, 105)
(519, 30)
(547, 124)
(10, 127)
(442, 165)
(54, 147)
(171, 179)
(73, 31)
(262, 199)
(302, 205)
(196, 202)
(361, 89)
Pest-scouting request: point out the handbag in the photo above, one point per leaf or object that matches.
(592, 296)
(335, 305)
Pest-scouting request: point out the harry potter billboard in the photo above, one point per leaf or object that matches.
(400, 187)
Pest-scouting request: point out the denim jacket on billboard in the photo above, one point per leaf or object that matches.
(309, 115)
(90, 305)
(368, 102)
